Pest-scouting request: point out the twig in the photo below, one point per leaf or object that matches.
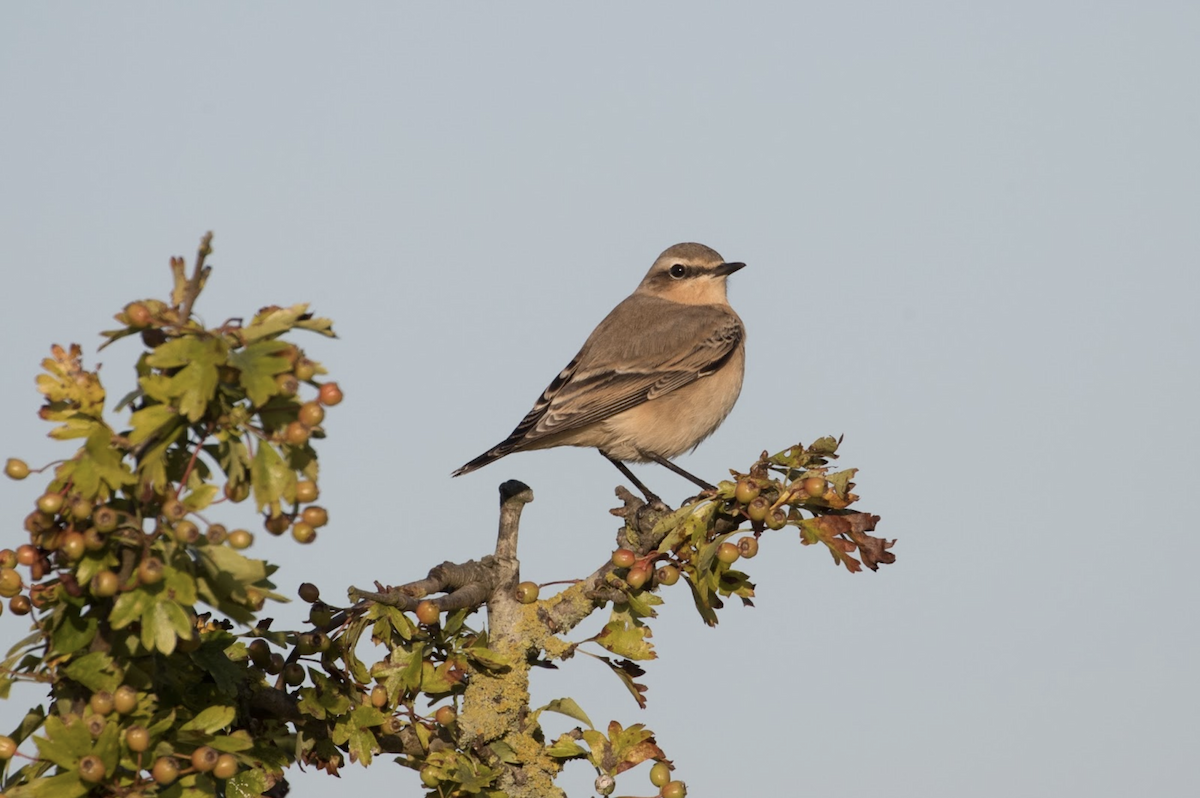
(197, 278)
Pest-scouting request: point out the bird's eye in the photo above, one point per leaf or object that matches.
(678, 270)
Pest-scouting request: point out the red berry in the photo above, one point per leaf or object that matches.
(623, 558)
(329, 394)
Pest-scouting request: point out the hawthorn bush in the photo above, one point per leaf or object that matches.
(163, 675)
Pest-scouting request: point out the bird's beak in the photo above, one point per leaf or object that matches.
(726, 269)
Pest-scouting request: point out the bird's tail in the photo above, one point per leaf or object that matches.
(490, 456)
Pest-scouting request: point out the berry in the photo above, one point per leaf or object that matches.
(527, 592)
(309, 592)
(137, 314)
(150, 571)
(637, 576)
(445, 716)
(329, 394)
(237, 493)
(226, 766)
(660, 774)
(428, 613)
(321, 615)
(728, 553)
(748, 547)
(165, 771)
(311, 414)
(815, 486)
(95, 725)
(293, 673)
(316, 516)
(240, 539)
(295, 434)
(50, 503)
(623, 558)
(305, 370)
(8, 747)
(277, 525)
(668, 575)
(259, 651)
(105, 518)
(303, 533)
(186, 532)
(674, 789)
(747, 491)
(429, 777)
(105, 584)
(173, 509)
(102, 702)
(16, 469)
(777, 519)
(81, 508)
(379, 696)
(757, 510)
(8, 558)
(204, 758)
(125, 700)
(72, 546)
(275, 664)
(20, 605)
(27, 555)
(216, 534)
(91, 768)
(287, 384)
(306, 491)
(92, 539)
(10, 582)
(137, 738)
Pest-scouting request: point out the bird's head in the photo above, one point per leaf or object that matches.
(689, 273)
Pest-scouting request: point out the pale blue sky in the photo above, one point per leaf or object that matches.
(973, 249)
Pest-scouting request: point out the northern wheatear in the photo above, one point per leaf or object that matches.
(654, 379)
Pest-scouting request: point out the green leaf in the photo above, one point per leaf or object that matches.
(232, 743)
(246, 784)
(107, 462)
(568, 707)
(129, 607)
(95, 671)
(626, 636)
(73, 632)
(211, 720)
(158, 627)
(566, 748)
(271, 476)
(64, 785)
(486, 658)
(195, 384)
(63, 745)
(180, 585)
(259, 363)
(201, 497)
(228, 675)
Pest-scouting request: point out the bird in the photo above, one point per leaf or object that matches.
(655, 378)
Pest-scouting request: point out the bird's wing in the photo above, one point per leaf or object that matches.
(619, 368)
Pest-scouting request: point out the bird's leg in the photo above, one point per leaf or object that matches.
(662, 461)
(651, 497)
